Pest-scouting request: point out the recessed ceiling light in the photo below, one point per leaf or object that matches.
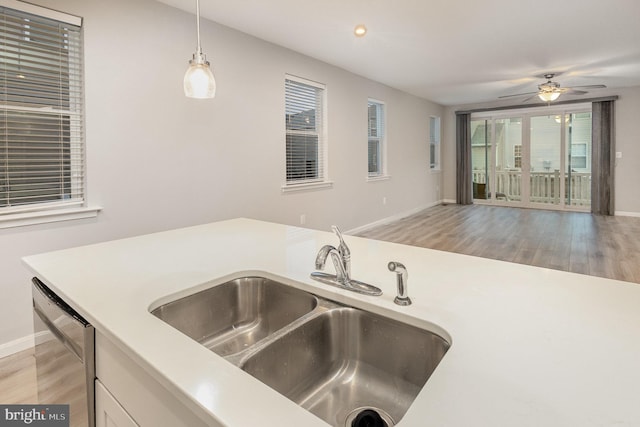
(360, 30)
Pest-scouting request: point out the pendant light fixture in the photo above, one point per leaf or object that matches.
(198, 80)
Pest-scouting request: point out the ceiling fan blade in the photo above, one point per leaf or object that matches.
(589, 87)
(575, 92)
(517, 94)
(530, 98)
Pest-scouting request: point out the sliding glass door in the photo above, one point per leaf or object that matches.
(545, 162)
(496, 158)
(508, 155)
(533, 158)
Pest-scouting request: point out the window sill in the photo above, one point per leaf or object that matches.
(47, 216)
(378, 178)
(307, 186)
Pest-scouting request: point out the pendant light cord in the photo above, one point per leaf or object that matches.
(199, 49)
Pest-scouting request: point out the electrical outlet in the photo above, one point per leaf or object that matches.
(303, 219)
(618, 154)
(384, 200)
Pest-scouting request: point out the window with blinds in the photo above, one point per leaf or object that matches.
(305, 135)
(376, 138)
(41, 111)
(434, 142)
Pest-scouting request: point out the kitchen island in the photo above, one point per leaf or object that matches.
(529, 346)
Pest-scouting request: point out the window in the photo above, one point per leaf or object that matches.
(376, 138)
(578, 157)
(434, 143)
(41, 111)
(305, 131)
(517, 156)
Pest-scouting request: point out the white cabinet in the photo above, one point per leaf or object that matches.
(109, 413)
(143, 398)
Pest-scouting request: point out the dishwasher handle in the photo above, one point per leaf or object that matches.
(62, 320)
(59, 302)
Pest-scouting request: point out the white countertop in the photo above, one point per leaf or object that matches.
(530, 346)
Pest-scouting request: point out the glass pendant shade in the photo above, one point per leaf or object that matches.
(549, 96)
(198, 80)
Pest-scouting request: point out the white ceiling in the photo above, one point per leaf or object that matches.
(451, 52)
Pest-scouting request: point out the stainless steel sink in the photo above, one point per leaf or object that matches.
(347, 360)
(231, 317)
(341, 363)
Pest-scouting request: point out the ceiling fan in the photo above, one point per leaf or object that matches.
(550, 91)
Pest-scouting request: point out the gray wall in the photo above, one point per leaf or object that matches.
(157, 160)
(627, 197)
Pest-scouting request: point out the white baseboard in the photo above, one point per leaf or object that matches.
(17, 345)
(621, 213)
(392, 218)
(43, 336)
(449, 201)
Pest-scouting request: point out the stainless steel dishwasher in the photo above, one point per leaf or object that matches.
(64, 351)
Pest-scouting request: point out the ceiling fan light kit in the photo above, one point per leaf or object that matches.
(550, 90)
(548, 96)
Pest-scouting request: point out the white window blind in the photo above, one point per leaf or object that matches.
(305, 135)
(41, 112)
(375, 151)
(434, 142)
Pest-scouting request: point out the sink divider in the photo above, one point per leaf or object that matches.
(323, 306)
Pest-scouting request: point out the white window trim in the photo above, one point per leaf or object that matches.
(383, 174)
(324, 182)
(377, 178)
(47, 216)
(306, 186)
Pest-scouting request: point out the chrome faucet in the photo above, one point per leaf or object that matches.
(402, 298)
(342, 275)
(341, 257)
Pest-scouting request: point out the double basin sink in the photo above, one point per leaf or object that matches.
(348, 366)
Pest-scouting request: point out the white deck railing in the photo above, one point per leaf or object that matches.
(544, 186)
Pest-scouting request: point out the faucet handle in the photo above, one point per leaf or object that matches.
(343, 248)
(402, 298)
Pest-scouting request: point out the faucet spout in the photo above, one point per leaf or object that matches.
(321, 259)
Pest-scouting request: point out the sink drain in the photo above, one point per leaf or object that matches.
(368, 416)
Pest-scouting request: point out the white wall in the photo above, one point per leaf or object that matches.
(157, 160)
(627, 175)
(627, 196)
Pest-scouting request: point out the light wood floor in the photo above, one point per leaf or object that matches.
(18, 379)
(601, 246)
(578, 242)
